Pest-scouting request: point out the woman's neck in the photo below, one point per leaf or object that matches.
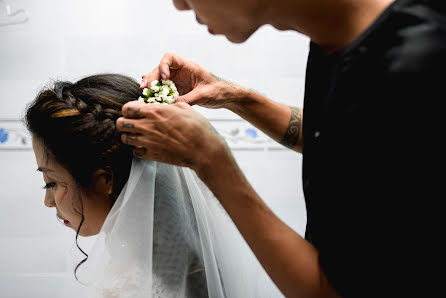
(332, 24)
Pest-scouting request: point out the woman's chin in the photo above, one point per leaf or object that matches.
(87, 231)
(90, 227)
(88, 234)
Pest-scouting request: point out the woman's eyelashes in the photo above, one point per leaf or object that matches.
(49, 185)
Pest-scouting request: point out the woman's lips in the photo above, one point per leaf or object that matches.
(66, 222)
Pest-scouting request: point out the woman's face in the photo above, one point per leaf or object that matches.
(62, 193)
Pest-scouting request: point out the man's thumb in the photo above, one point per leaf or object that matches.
(190, 98)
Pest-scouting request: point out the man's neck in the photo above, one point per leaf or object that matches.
(332, 24)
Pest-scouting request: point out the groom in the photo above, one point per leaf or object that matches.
(370, 141)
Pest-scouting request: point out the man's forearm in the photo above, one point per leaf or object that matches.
(280, 122)
(290, 261)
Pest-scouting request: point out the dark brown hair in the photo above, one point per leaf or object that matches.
(77, 124)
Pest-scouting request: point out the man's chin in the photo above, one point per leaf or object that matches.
(240, 37)
(236, 39)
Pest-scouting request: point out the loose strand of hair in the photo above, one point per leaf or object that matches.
(77, 235)
(77, 244)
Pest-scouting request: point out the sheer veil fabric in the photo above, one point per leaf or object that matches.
(168, 236)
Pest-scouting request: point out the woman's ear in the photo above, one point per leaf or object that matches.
(102, 182)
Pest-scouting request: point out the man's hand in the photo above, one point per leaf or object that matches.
(196, 85)
(174, 134)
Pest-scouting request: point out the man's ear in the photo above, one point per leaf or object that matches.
(102, 181)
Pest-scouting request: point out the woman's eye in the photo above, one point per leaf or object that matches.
(49, 185)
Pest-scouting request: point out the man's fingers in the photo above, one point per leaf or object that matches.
(169, 61)
(148, 78)
(132, 139)
(133, 109)
(190, 98)
(140, 152)
(127, 125)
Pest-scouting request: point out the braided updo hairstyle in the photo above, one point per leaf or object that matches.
(77, 124)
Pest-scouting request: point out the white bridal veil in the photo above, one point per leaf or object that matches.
(168, 236)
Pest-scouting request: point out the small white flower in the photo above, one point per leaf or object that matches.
(165, 103)
(169, 99)
(160, 94)
(164, 90)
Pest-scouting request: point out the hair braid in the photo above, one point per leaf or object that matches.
(98, 117)
(77, 122)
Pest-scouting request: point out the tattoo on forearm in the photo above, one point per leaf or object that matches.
(293, 131)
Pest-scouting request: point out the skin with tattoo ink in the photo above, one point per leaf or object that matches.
(127, 125)
(133, 113)
(175, 133)
(293, 130)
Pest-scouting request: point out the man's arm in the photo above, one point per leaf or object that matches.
(280, 122)
(290, 261)
(198, 86)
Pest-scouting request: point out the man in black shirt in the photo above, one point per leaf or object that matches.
(369, 142)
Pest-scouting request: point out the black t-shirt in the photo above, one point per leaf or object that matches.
(372, 131)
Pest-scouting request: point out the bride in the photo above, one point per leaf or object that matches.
(160, 231)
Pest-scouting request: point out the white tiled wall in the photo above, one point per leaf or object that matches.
(68, 39)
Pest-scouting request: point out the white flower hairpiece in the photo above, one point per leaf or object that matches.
(163, 91)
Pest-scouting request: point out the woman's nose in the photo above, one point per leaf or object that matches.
(49, 201)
